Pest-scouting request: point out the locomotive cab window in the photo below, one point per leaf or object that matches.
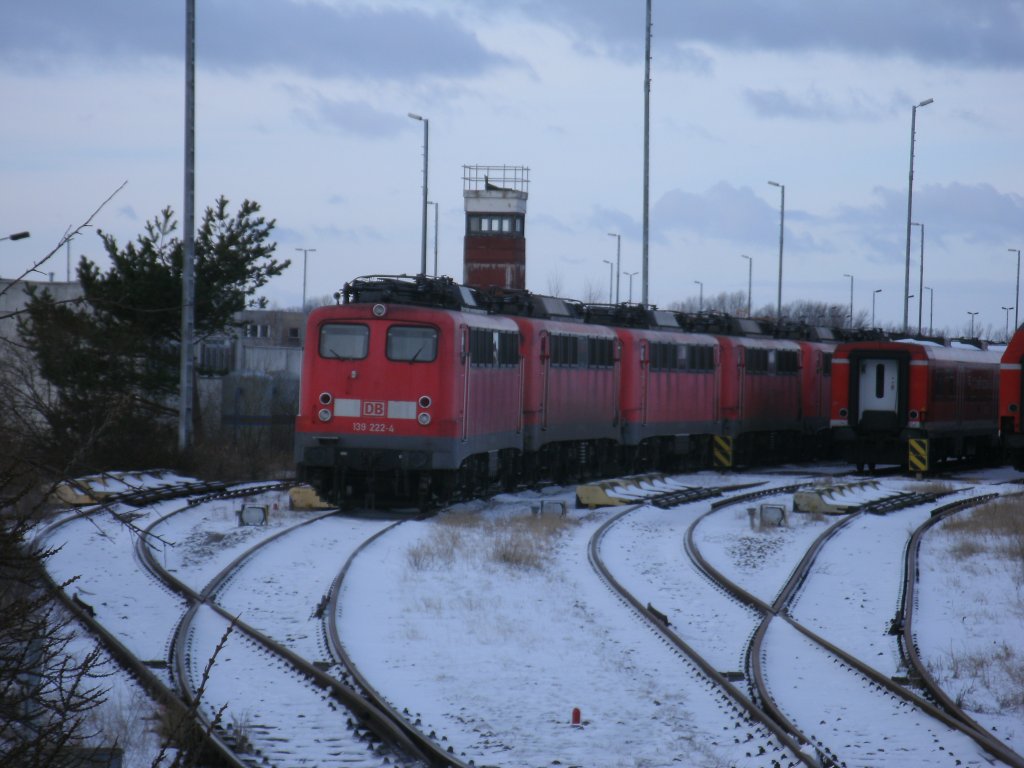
(344, 341)
(411, 343)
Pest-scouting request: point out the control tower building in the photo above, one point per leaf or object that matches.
(494, 250)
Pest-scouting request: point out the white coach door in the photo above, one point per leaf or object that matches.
(879, 386)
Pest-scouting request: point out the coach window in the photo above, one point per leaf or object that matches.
(344, 341)
(414, 344)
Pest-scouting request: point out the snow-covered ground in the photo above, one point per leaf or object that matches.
(488, 624)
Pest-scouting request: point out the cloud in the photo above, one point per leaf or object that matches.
(975, 34)
(356, 118)
(242, 36)
(814, 105)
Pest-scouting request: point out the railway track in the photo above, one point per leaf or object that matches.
(793, 689)
(828, 674)
(302, 712)
(770, 737)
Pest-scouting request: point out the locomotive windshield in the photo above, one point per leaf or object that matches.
(344, 341)
(414, 344)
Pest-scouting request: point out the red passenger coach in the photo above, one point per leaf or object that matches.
(403, 386)
(1011, 398)
(914, 403)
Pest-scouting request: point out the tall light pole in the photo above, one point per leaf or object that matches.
(931, 308)
(782, 224)
(630, 274)
(873, 297)
(611, 280)
(910, 209)
(750, 279)
(305, 258)
(435, 235)
(426, 166)
(972, 314)
(851, 297)
(1007, 331)
(618, 262)
(1016, 310)
(700, 304)
(920, 286)
(647, 151)
(188, 286)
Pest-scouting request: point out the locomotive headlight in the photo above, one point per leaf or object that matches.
(423, 419)
(379, 310)
(843, 413)
(914, 415)
(325, 398)
(425, 401)
(325, 414)
(1013, 407)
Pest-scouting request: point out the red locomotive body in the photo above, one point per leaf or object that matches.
(886, 393)
(761, 393)
(669, 394)
(420, 389)
(1011, 398)
(816, 390)
(395, 396)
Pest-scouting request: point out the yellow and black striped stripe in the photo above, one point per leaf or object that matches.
(917, 454)
(721, 451)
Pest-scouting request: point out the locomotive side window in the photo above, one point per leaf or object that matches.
(699, 357)
(787, 361)
(599, 353)
(826, 364)
(508, 348)
(491, 348)
(482, 346)
(411, 343)
(757, 360)
(344, 341)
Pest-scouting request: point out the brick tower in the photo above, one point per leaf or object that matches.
(494, 250)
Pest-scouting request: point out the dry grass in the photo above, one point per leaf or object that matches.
(524, 542)
(986, 671)
(996, 528)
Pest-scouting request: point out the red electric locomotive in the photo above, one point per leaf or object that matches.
(1011, 398)
(417, 389)
(408, 389)
(571, 383)
(914, 403)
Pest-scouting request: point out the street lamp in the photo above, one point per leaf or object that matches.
(750, 278)
(16, 236)
(972, 314)
(435, 235)
(873, 297)
(1015, 308)
(782, 222)
(920, 286)
(611, 281)
(931, 308)
(851, 297)
(700, 304)
(910, 208)
(630, 274)
(426, 165)
(305, 256)
(618, 262)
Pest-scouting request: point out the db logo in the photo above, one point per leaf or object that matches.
(373, 408)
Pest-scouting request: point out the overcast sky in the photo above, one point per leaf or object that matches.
(302, 106)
